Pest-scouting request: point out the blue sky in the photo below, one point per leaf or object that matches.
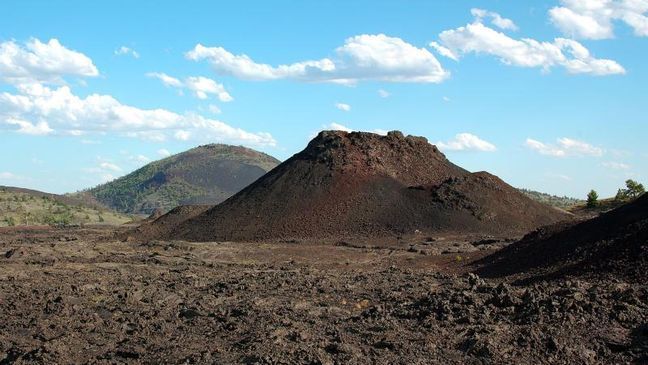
(547, 95)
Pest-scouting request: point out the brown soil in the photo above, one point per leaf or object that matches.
(614, 244)
(70, 296)
(356, 185)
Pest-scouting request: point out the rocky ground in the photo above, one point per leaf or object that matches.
(82, 296)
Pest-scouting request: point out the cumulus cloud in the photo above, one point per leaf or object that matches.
(38, 109)
(344, 107)
(467, 142)
(109, 166)
(182, 135)
(496, 19)
(593, 19)
(42, 104)
(24, 127)
(363, 57)
(123, 50)
(525, 52)
(201, 87)
(163, 152)
(166, 79)
(36, 61)
(564, 147)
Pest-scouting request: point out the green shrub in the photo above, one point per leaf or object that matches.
(592, 199)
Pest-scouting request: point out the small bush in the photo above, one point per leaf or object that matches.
(592, 199)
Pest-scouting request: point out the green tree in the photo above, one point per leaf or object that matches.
(634, 189)
(592, 199)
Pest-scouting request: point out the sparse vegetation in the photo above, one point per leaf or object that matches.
(26, 207)
(563, 202)
(632, 191)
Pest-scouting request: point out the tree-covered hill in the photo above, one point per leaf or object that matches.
(203, 175)
(562, 202)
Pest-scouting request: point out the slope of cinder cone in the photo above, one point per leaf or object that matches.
(366, 185)
(615, 244)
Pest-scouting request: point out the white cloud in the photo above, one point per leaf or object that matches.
(24, 127)
(564, 147)
(363, 57)
(139, 159)
(338, 127)
(123, 50)
(496, 19)
(593, 19)
(525, 52)
(182, 135)
(443, 51)
(344, 107)
(201, 87)
(4, 175)
(384, 93)
(544, 149)
(559, 176)
(382, 132)
(36, 61)
(166, 79)
(75, 132)
(214, 109)
(446, 99)
(616, 165)
(38, 109)
(163, 152)
(104, 171)
(109, 166)
(467, 142)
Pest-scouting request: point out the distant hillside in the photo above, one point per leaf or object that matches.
(203, 175)
(582, 210)
(562, 202)
(20, 206)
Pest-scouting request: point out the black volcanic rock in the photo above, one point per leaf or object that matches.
(364, 185)
(614, 244)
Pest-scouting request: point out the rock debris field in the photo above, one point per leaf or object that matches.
(79, 295)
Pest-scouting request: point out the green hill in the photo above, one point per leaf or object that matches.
(562, 202)
(30, 207)
(203, 175)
